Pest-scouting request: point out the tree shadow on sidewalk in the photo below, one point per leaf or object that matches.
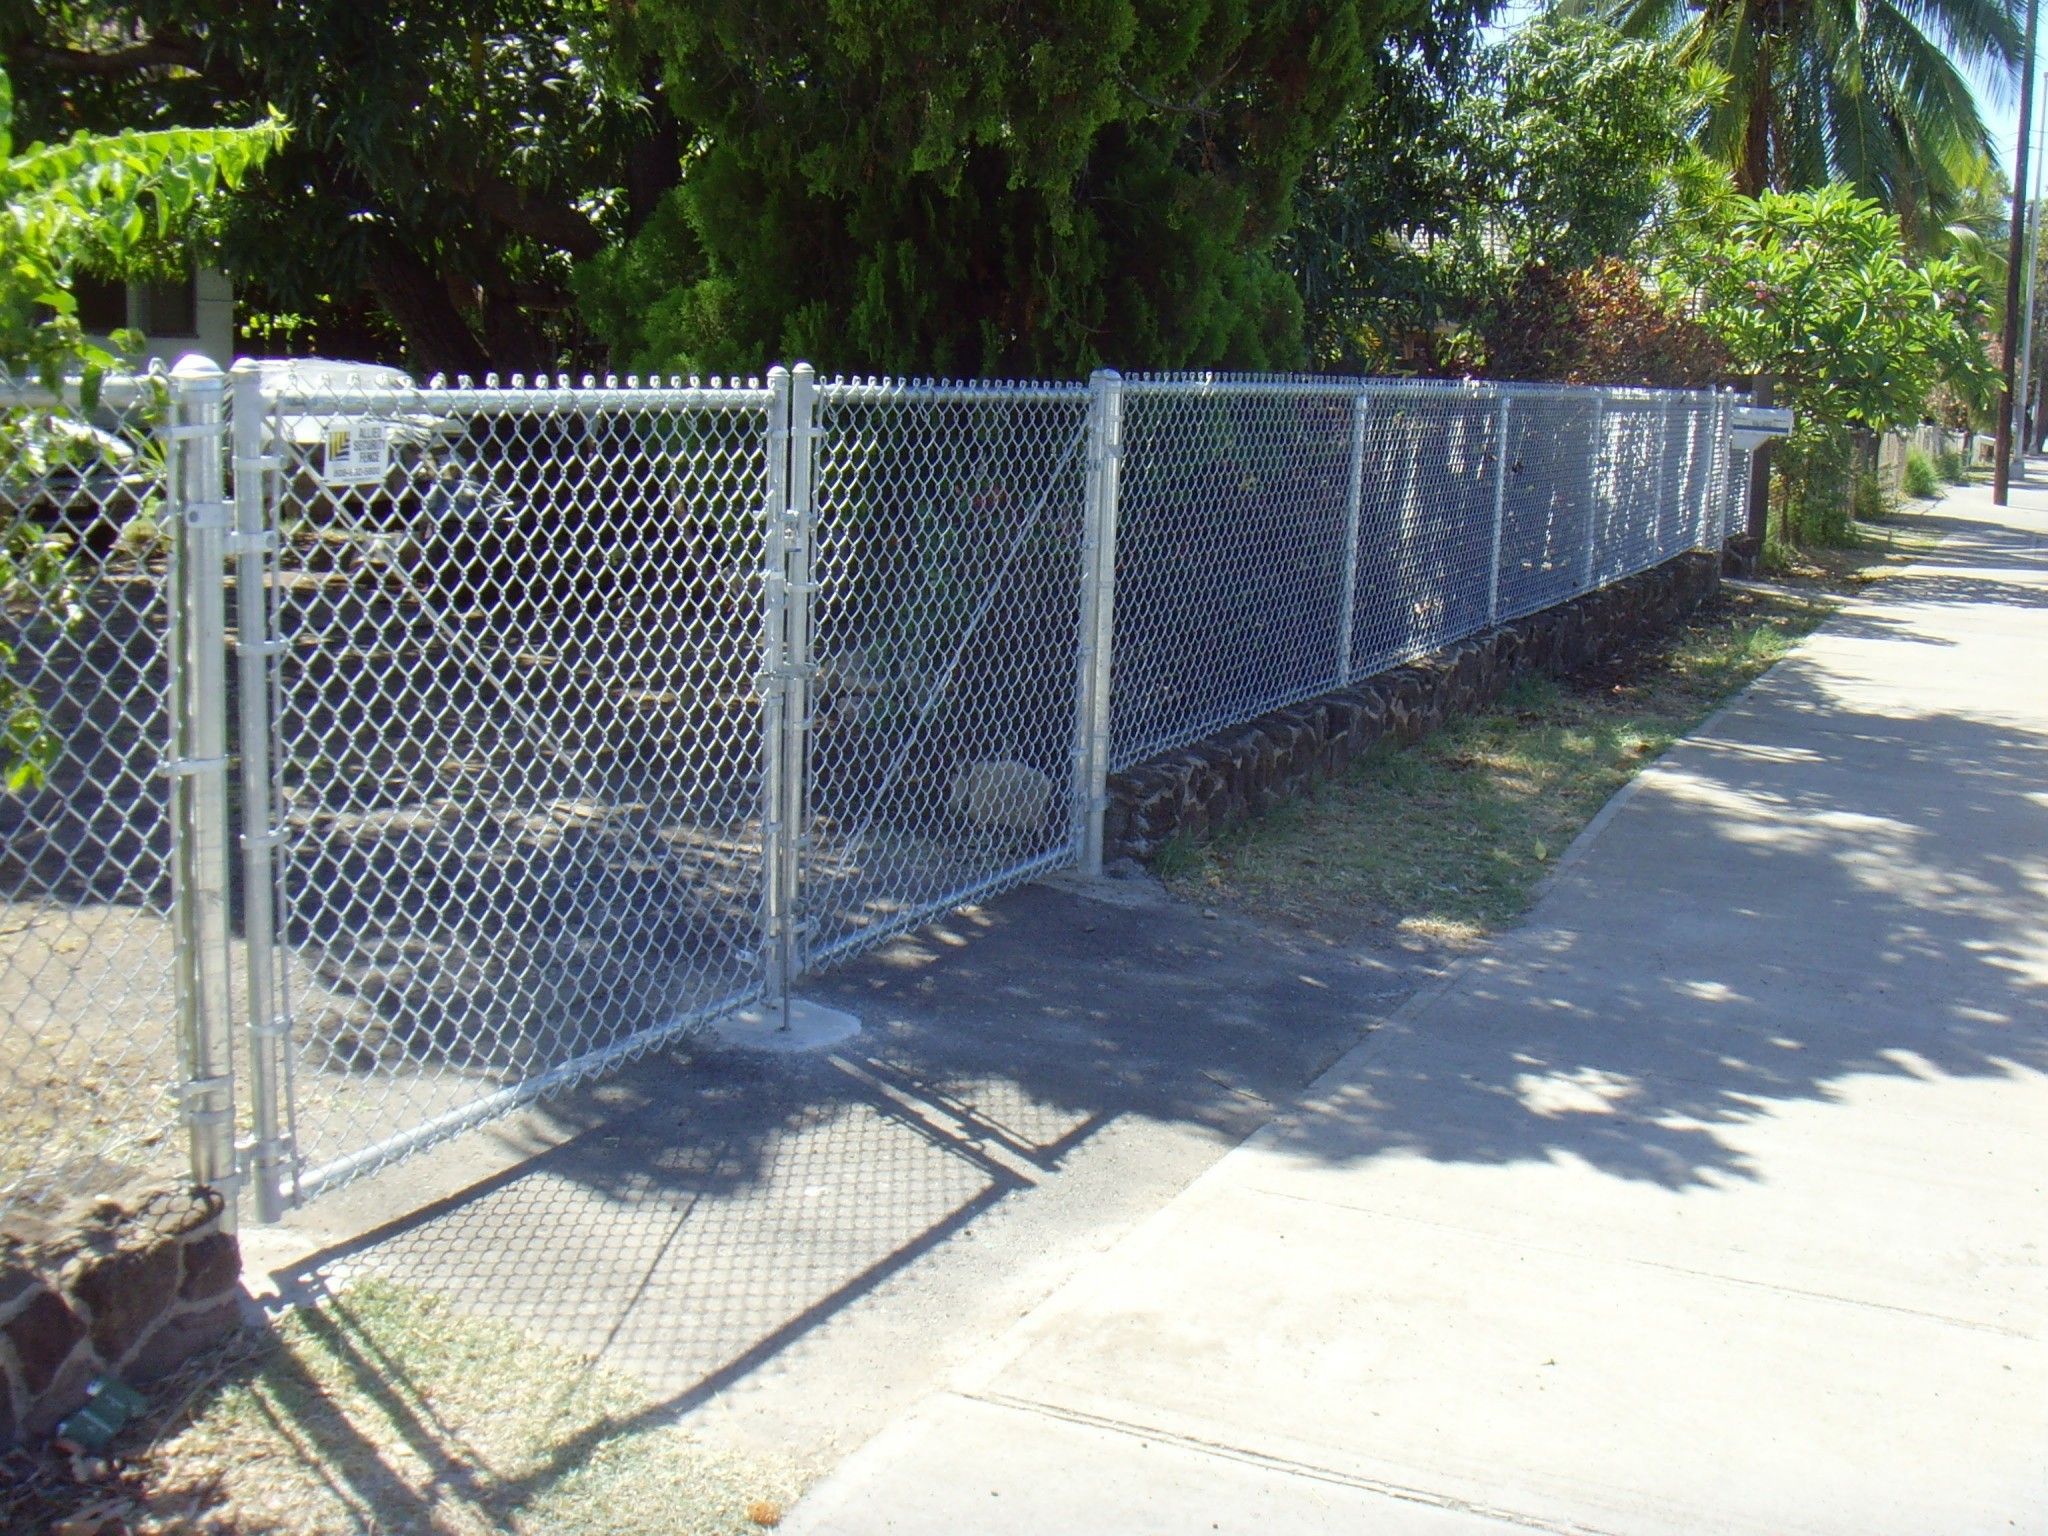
(1867, 901)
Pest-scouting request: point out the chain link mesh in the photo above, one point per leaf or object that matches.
(1253, 506)
(1426, 523)
(1229, 573)
(89, 1051)
(944, 708)
(518, 743)
(517, 705)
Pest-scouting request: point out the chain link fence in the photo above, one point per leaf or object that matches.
(407, 753)
(89, 1058)
(1279, 538)
(949, 534)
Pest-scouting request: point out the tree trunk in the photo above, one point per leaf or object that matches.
(513, 340)
(1753, 171)
(436, 335)
(654, 164)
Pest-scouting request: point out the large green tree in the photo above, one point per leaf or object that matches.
(983, 187)
(1874, 93)
(1820, 289)
(452, 161)
(1471, 175)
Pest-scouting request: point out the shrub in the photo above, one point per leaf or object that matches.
(1950, 466)
(1919, 479)
(1815, 486)
(1604, 324)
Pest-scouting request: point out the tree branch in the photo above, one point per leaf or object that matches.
(1192, 107)
(550, 222)
(151, 53)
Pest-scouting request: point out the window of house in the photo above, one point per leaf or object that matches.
(102, 303)
(167, 309)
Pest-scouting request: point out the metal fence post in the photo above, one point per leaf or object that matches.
(1689, 474)
(777, 890)
(1598, 446)
(1354, 501)
(198, 765)
(799, 534)
(1361, 411)
(1659, 481)
(1097, 615)
(1500, 506)
(256, 648)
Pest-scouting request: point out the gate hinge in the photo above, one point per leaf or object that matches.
(263, 542)
(180, 767)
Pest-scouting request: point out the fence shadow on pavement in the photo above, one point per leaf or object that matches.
(710, 1208)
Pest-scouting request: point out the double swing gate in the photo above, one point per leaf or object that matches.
(506, 733)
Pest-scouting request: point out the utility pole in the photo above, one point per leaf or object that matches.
(2016, 253)
(2025, 432)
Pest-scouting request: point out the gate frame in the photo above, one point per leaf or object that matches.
(197, 764)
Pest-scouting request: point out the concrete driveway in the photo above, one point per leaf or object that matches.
(792, 1249)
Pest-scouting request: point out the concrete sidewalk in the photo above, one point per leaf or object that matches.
(1712, 1200)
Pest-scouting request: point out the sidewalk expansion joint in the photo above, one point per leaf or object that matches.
(1283, 1464)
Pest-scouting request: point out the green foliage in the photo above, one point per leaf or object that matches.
(1872, 93)
(37, 583)
(1948, 463)
(1436, 205)
(451, 164)
(1919, 477)
(1813, 485)
(1816, 289)
(91, 199)
(96, 199)
(1576, 142)
(975, 188)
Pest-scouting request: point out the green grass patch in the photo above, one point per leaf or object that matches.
(1871, 548)
(1919, 477)
(383, 1409)
(1447, 839)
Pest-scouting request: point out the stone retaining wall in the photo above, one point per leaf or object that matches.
(131, 1285)
(1238, 773)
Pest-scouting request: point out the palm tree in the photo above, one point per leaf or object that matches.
(1871, 92)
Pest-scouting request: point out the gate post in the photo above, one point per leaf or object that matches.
(257, 647)
(1097, 614)
(1354, 502)
(800, 530)
(786, 1022)
(198, 768)
(778, 895)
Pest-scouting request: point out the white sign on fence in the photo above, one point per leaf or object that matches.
(358, 453)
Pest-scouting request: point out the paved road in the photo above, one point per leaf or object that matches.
(1711, 1201)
